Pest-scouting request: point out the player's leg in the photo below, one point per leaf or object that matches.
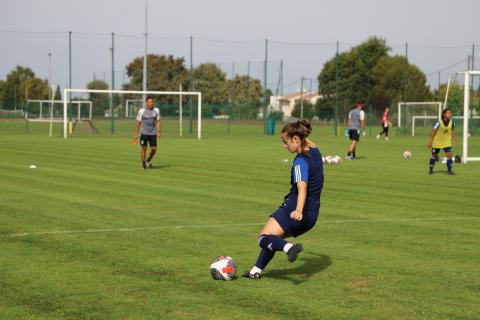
(449, 153)
(153, 150)
(271, 240)
(386, 131)
(433, 158)
(353, 148)
(143, 152)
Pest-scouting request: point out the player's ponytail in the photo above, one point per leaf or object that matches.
(299, 128)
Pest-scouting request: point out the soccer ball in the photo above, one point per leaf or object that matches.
(328, 159)
(333, 160)
(407, 154)
(339, 159)
(223, 268)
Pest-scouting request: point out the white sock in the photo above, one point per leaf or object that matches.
(287, 247)
(255, 270)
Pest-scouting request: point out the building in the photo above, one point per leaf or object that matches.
(287, 103)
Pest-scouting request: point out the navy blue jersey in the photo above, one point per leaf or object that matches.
(309, 168)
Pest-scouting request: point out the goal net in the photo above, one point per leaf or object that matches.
(115, 111)
(418, 114)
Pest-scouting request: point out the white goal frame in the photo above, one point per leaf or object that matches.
(466, 115)
(127, 104)
(423, 103)
(435, 118)
(79, 104)
(68, 91)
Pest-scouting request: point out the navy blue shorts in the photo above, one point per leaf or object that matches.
(292, 227)
(437, 150)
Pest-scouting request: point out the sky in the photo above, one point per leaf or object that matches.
(301, 33)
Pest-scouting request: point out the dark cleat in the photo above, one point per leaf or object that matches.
(254, 276)
(450, 173)
(149, 165)
(294, 251)
(430, 172)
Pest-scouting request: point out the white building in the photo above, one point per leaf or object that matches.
(287, 103)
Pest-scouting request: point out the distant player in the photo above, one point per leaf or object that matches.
(299, 211)
(442, 136)
(385, 124)
(356, 122)
(149, 119)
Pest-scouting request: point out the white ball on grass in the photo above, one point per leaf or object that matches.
(407, 154)
(33, 166)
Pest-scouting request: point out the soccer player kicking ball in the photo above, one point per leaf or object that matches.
(149, 119)
(299, 211)
(441, 138)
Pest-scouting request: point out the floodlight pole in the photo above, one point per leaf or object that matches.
(301, 97)
(69, 69)
(145, 54)
(336, 89)
(265, 69)
(112, 49)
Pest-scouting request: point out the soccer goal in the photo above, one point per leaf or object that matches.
(132, 106)
(408, 112)
(468, 114)
(168, 102)
(41, 110)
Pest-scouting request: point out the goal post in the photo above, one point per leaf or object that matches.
(68, 91)
(436, 105)
(467, 115)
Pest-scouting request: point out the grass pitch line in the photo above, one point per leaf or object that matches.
(207, 226)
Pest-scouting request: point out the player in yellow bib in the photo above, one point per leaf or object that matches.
(442, 137)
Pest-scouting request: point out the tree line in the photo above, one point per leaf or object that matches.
(367, 72)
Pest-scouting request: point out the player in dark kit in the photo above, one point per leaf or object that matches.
(300, 208)
(149, 119)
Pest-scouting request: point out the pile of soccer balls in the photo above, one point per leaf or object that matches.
(332, 159)
(223, 268)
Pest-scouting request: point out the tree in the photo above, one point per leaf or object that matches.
(210, 81)
(456, 97)
(388, 76)
(3, 85)
(100, 101)
(165, 73)
(308, 110)
(355, 72)
(22, 83)
(244, 94)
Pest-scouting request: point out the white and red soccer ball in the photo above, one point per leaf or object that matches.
(223, 268)
(407, 154)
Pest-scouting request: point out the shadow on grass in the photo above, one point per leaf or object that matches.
(159, 166)
(311, 264)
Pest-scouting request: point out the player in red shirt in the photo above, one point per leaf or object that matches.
(385, 124)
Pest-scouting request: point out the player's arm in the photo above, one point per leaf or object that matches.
(138, 123)
(454, 137)
(302, 195)
(300, 169)
(362, 119)
(157, 123)
(137, 128)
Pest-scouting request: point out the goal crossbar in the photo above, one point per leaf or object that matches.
(66, 92)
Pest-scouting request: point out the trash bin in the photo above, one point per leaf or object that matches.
(271, 127)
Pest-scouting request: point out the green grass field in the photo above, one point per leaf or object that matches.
(89, 235)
